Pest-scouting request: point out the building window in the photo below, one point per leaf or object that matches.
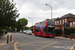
(73, 23)
(65, 20)
(57, 22)
(60, 22)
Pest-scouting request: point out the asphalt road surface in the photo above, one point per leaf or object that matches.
(32, 42)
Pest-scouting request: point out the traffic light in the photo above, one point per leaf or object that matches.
(66, 24)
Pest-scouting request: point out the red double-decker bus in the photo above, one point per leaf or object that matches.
(44, 29)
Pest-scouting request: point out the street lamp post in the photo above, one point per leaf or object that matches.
(32, 22)
(51, 10)
(31, 19)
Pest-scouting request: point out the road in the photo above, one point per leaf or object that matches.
(31, 42)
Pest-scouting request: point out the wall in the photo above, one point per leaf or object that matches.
(62, 25)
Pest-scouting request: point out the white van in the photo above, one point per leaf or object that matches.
(28, 32)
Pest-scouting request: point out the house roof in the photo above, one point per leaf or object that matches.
(57, 18)
(67, 16)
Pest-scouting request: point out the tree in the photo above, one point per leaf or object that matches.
(48, 19)
(8, 13)
(26, 28)
(23, 22)
(13, 27)
(18, 26)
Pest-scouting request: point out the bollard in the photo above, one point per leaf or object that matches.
(10, 38)
(7, 38)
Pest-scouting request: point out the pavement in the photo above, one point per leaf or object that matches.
(3, 39)
(61, 37)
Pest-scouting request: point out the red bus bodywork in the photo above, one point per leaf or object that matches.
(40, 30)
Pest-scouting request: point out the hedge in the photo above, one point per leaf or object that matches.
(58, 31)
(69, 31)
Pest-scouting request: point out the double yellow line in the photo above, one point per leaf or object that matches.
(15, 47)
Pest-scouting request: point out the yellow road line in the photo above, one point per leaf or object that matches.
(25, 44)
(72, 47)
(15, 47)
(36, 42)
(22, 44)
(46, 45)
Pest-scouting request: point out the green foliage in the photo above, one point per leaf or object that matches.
(58, 31)
(68, 31)
(8, 13)
(26, 28)
(18, 26)
(22, 23)
(14, 26)
(48, 19)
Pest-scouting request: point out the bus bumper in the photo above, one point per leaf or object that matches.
(50, 35)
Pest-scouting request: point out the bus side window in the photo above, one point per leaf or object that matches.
(44, 30)
(37, 30)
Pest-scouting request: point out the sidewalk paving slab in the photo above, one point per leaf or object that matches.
(64, 38)
(3, 39)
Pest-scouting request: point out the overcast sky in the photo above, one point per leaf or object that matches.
(38, 11)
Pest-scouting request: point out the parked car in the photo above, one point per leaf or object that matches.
(20, 31)
(24, 31)
(29, 32)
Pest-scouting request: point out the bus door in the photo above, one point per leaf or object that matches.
(50, 30)
(37, 32)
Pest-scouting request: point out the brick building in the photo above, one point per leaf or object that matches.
(68, 18)
(72, 23)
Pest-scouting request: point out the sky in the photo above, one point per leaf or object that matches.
(36, 10)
